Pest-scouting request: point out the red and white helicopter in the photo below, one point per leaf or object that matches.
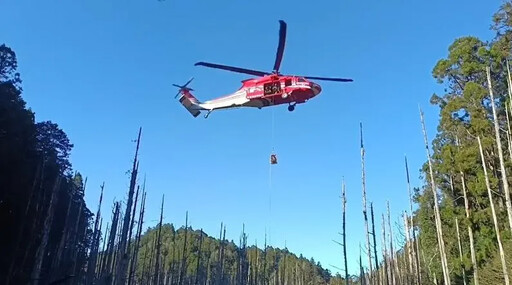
(268, 89)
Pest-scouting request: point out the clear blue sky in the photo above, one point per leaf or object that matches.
(101, 69)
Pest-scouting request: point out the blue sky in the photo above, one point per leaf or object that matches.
(101, 69)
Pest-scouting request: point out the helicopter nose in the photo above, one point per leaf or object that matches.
(316, 88)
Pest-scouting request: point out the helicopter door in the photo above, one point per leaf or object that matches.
(272, 88)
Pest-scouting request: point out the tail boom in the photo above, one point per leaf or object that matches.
(191, 103)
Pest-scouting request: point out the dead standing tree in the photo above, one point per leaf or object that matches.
(392, 263)
(439, 228)
(415, 245)
(156, 275)
(199, 248)
(93, 257)
(183, 268)
(503, 179)
(41, 249)
(460, 251)
(495, 219)
(134, 261)
(374, 244)
(122, 262)
(365, 214)
(385, 257)
(344, 202)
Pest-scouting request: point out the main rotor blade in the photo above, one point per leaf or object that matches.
(232, 68)
(280, 47)
(329, 79)
(188, 82)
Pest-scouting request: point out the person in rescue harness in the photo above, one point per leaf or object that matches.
(273, 159)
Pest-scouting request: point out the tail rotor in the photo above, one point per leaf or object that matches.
(183, 87)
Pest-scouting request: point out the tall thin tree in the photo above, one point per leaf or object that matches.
(460, 251)
(392, 263)
(122, 262)
(415, 246)
(48, 220)
(344, 234)
(156, 276)
(504, 179)
(384, 252)
(495, 219)
(199, 248)
(374, 242)
(439, 228)
(408, 244)
(365, 214)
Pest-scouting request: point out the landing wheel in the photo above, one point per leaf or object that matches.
(291, 108)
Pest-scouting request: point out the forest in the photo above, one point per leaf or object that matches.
(457, 228)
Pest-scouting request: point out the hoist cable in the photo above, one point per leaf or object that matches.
(270, 179)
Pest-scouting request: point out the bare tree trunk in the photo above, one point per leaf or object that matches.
(173, 263)
(470, 230)
(103, 252)
(408, 244)
(374, 243)
(460, 251)
(219, 280)
(509, 82)
(440, 239)
(496, 227)
(75, 235)
(149, 266)
(132, 222)
(156, 276)
(508, 108)
(133, 263)
(365, 215)
(257, 266)
(414, 246)
(264, 274)
(39, 170)
(64, 236)
(344, 235)
(509, 132)
(500, 152)
(385, 256)
(427, 265)
(199, 256)
(109, 253)
(184, 255)
(91, 266)
(38, 211)
(135, 247)
(41, 250)
(362, 276)
(392, 262)
(122, 262)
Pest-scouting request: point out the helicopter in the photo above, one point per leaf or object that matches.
(266, 89)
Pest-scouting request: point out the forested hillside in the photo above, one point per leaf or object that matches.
(45, 222)
(210, 260)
